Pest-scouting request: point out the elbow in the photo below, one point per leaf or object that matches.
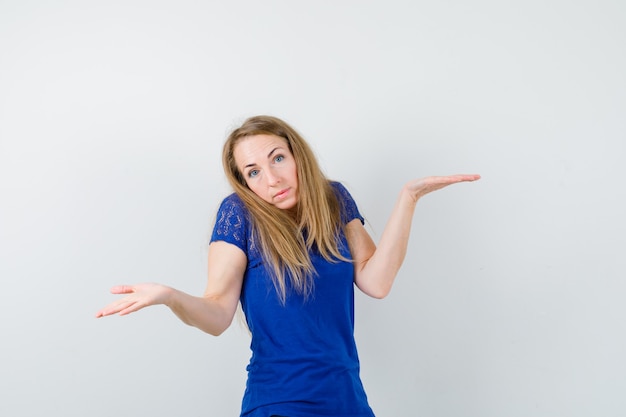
(378, 288)
(374, 290)
(376, 281)
(214, 327)
(220, 317)
(215, 330)
(379, 293)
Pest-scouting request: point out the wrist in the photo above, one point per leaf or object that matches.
(168, 296)
(408, 196)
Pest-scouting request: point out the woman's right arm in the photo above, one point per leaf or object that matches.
(212, 313)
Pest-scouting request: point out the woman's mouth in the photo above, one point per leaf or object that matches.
(281, 194)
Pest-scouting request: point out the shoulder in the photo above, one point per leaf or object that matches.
(232, 207)
(349, 209)
(232, 199)
(340, 190)
(232, 204)
(232, 220)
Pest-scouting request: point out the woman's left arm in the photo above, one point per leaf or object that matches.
(375, 268)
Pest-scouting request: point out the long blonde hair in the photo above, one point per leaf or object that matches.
(285, 241)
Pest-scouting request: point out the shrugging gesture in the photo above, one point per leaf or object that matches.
(376, 268)
(284, 228)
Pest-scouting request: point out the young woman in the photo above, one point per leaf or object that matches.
(290, 246)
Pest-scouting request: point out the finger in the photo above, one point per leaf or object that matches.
(104, 312)
(122, 289)
(131, 309)
(114, 308)
(465, 177)
(453, 179)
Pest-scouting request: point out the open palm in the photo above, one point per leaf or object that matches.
(422, 186)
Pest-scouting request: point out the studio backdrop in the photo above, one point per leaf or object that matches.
(112, 119)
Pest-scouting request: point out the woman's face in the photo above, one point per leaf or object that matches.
(269, 169)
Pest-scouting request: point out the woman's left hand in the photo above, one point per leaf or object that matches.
(420, 187)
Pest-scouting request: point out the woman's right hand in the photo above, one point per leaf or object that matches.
(139, 296)
(212, 312)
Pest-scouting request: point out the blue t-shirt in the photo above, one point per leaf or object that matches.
(304, 359)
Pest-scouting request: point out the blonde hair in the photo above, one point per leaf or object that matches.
(285, 241)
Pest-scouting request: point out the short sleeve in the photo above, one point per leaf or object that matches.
(231, 224)
(349, 209)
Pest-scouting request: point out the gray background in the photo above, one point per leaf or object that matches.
(112, 117)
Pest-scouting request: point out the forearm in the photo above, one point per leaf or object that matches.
(378, 272)
(376, 269)
(211, 315)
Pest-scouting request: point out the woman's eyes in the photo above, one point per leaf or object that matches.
(254, 172)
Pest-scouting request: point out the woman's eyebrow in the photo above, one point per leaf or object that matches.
(269, 155)
(249, 165)
(272, 151)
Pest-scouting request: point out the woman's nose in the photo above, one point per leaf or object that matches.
(272, 177)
